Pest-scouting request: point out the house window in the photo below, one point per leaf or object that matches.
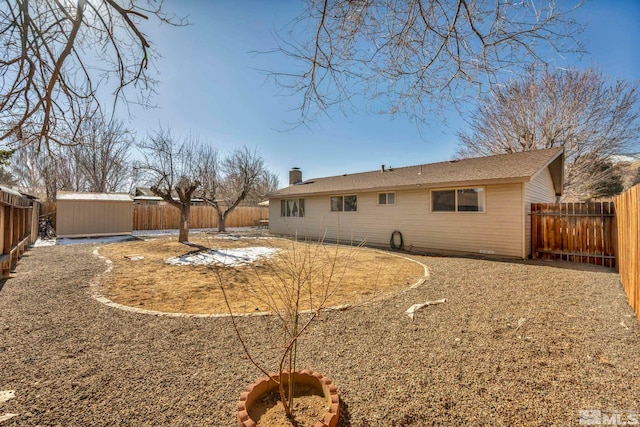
(458, 200)
(344, 203)
(292, 207)
(386, 198)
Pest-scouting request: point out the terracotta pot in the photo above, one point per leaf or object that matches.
(267, 384)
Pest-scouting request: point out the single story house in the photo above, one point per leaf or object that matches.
(93, 214)
(477, 205)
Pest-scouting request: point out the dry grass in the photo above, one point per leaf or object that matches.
(360, 275)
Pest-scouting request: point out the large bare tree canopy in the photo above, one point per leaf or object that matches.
(169, 165)
(582, 111)
(417, 55)
(55, 56)
(228, 181)
(100, 163)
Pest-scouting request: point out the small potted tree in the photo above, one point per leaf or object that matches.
(307, 275)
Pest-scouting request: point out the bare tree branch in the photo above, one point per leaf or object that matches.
(582, 111)
(229, 181)
(55, 55)
(170, 169)
(416, 56)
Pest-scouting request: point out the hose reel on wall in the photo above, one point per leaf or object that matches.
(396, 242)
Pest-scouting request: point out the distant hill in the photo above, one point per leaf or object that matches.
(629, 166)
(625, 158)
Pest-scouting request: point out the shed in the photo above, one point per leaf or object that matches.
(478, 205)
(93, 214)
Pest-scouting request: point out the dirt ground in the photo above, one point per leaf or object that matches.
(516, 344)
(339, 274)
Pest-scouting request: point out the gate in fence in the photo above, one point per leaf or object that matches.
(577, 232)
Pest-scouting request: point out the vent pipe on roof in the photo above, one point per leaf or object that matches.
(295, 176)
(382, 168)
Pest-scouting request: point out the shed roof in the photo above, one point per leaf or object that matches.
(113, 197)
(512, 167)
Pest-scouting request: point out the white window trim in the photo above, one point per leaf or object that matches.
(387, 197)
(343, 196)
(304, 211)
(456, 211)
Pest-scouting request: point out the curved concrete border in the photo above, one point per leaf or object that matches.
(95, 293)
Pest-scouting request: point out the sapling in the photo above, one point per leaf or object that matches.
(306, 276)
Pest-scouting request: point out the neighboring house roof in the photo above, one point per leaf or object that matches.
(114, 197)
(502, 168)
(158, 199)
(145, 193)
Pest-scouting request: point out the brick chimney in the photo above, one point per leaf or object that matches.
(295, 176)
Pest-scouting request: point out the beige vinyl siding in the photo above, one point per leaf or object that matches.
(498, 230)
(539, 190)
(93, 218)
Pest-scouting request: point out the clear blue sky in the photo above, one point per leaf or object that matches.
(210, 87)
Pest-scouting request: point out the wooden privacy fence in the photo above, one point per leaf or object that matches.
(50, 209)
(19, 227)
(577, 232)
(164, 217)
(628, 220)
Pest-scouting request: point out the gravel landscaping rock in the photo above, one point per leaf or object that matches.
(516, 343)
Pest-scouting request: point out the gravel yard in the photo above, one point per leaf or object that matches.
(516, 343)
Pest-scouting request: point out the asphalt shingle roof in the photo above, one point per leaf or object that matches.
(515, 167)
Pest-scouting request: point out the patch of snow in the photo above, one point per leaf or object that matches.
(227, 236)
(228, 257)
(84, 240)
(141, 233)
(44, 242)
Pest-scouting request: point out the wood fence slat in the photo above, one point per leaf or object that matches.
(576, 232)
(627, 208)
(571, 231)
(584, 233)
(534, 230)
(163, 217)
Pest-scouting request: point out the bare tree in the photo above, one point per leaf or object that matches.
(26, 167)
(416, 55)
(100, 163)
(229, 181)
(582, 111)
(267, 182)
(6, 178)
(102, 156)
(55, 55)
(170, 168)
(43, 174)
(609, 183)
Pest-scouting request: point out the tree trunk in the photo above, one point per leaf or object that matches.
(184, 224)
(221, 218)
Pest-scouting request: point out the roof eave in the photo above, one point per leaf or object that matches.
(413, 186)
